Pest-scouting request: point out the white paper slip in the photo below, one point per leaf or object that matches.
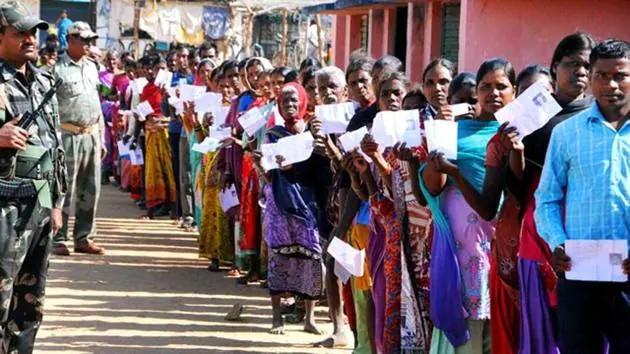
(220, 113)
(529, 111)
(123, 149)
(335, 117)
(136, 157)
(460, 109)
(352, 140)
(125, 113)
(144, 109)
(342, 273)
(220, 133)
(347, 256)
(208, 144)
(252, 121)
(390, 128)
(182, 82)
(172, 92)
(228, 198)
(177, 104)
(276, 114)
(294, 149)
(163, 78)
(597, 260)
(189, 93)
(205, 102)
(138, 85)
(442, 136)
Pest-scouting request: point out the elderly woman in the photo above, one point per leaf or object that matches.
(292, 218)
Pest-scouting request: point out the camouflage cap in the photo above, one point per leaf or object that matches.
(13, 13)
(81, 29)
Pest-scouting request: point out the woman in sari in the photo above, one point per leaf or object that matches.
(159, 177)
(250, 228)
(292, 219)
(214, 240)
(400, 326)
(460, 257)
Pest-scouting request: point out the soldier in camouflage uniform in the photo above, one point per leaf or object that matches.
(82, 128)
(32, 185)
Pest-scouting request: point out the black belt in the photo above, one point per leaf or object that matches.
(17, 188)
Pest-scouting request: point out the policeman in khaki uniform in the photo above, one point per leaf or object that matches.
(32, 180)
(82, 128)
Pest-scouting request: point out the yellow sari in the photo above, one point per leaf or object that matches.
(159, 176)
(214, 240)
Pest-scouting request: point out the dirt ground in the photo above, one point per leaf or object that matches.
(150, 293)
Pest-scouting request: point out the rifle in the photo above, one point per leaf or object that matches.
(7, 156)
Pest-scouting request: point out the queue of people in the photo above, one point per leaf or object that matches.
(463, 256)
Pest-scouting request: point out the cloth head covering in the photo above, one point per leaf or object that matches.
(264, 62)
(302, 105)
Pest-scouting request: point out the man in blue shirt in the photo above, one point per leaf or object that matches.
(587, 172)
(63, 23)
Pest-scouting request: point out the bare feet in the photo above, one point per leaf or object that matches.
(312, 328)
(277, 326)
(334, 341)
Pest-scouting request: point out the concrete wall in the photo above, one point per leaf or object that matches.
(526, 32)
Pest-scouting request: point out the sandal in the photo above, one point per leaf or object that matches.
(214, 265)
(235, 313)
(234, 272)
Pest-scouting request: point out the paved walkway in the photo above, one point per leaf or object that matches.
(151, 294)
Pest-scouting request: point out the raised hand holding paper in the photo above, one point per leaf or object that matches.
(442, 137)
(177, 104)
(252, 121)
(220, 113)
(123, 149)
(390, 128)
(529, 111)
(597, 260)
(220, 133)
(335, 117)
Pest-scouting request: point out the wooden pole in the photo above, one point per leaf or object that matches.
(320, 40)
(283, 49)
(136, 28)
(249, 36)
(305, 51)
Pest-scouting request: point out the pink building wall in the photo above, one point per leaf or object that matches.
(526, 32)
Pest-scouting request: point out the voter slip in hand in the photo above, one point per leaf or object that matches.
(228, 198)
(177, 104)
(163, 78)
(220, 133)
(352, 140)
(123, 149)
(136, 157)
(335, 117)
(294, 149)
(348, 257)
(252, 121)
(208, 144)
(206, 102)
(442, 137)
(390, 128)
(530, 111)
(460, 109)
(138, 85)
(144, 109)
(219, 115)
(597, 260)
(188, 93)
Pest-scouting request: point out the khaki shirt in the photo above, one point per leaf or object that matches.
(78, 95)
